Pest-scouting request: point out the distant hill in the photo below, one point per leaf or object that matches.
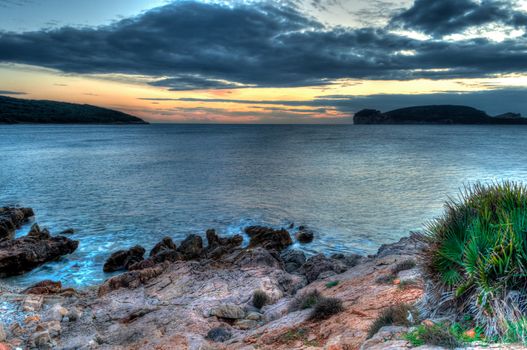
(15, 110)
(442, 114)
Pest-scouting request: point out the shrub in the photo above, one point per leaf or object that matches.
(438, 335)
(385, 279)
(325, 308)
(396, 315)
(305, 301)
(332, 284)
(260, 299)
(476, 256)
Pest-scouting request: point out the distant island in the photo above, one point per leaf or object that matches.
(440, 114)
(21, 111)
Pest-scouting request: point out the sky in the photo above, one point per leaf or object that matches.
(288, 61)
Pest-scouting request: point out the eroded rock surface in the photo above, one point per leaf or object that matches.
(11, 218)
(18, 256)
(206, 302)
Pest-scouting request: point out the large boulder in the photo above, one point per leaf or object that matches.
(191, 247)
(316, 265)
(11, 219)
(131, 279)
(166, 244)
(304, 235)
(268, 238)
(23, 254)
(293, 259)
(123, 259)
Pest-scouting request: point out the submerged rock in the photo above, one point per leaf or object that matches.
(23, 254)
(11, 219)
(123, 259)
(268, 238)
(305, 235)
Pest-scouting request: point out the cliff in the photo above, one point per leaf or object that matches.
(15, 111)
(440, 114)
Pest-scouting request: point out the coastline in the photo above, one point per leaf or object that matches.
(175, 305)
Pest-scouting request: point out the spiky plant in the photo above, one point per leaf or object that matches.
(476, 259)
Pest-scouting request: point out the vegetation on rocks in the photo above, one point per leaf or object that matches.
(305, 301)
(436, 334)
(260, 299)
(325, 308)
(476, 258)
(396, 315)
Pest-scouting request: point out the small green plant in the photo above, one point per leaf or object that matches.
(385, 279)
(516, 332)
(260, 299)
(305, 300)
(403, 265)
(325, 308)
(332, 284)
(396, 315)
(438, 335)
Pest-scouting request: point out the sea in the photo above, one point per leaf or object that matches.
(356, 186)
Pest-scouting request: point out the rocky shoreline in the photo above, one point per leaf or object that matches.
(191, 295)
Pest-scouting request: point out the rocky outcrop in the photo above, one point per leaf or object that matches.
(123, 259)
(18, 256)
(206, 302)
(11, 219)
(268, 238)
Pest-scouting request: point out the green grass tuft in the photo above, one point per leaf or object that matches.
(325, 308)
(438, 335)
(332, 284)
(396, 315)
(476, 258)
(305, 300)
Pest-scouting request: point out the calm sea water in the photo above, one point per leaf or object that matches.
(357, 186)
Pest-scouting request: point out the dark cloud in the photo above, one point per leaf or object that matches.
(191, 45)
(442, 17)
(8, 92)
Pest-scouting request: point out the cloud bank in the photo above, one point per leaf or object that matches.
(190, 45)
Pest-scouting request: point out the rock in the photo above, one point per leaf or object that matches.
(229, 311)
(56, 313)
(316, 265)
(350, 260)
(32, 303)
(256, 257)
(41, 340)
(219, 334)
(214, 241)
(255, 316)
(385, 334)
(245, 324)
(68, 231)
(166, 244)
(131, 279)
(2, 333)
(268, 238)
(293, 259)
(305, 236)
(74, 314)
(45, 287)
(31, 319)
(191, 247)
(4, 346)
(11, 219)
(52, 327)
(26, 253)
(409, 276)
(123, 259)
